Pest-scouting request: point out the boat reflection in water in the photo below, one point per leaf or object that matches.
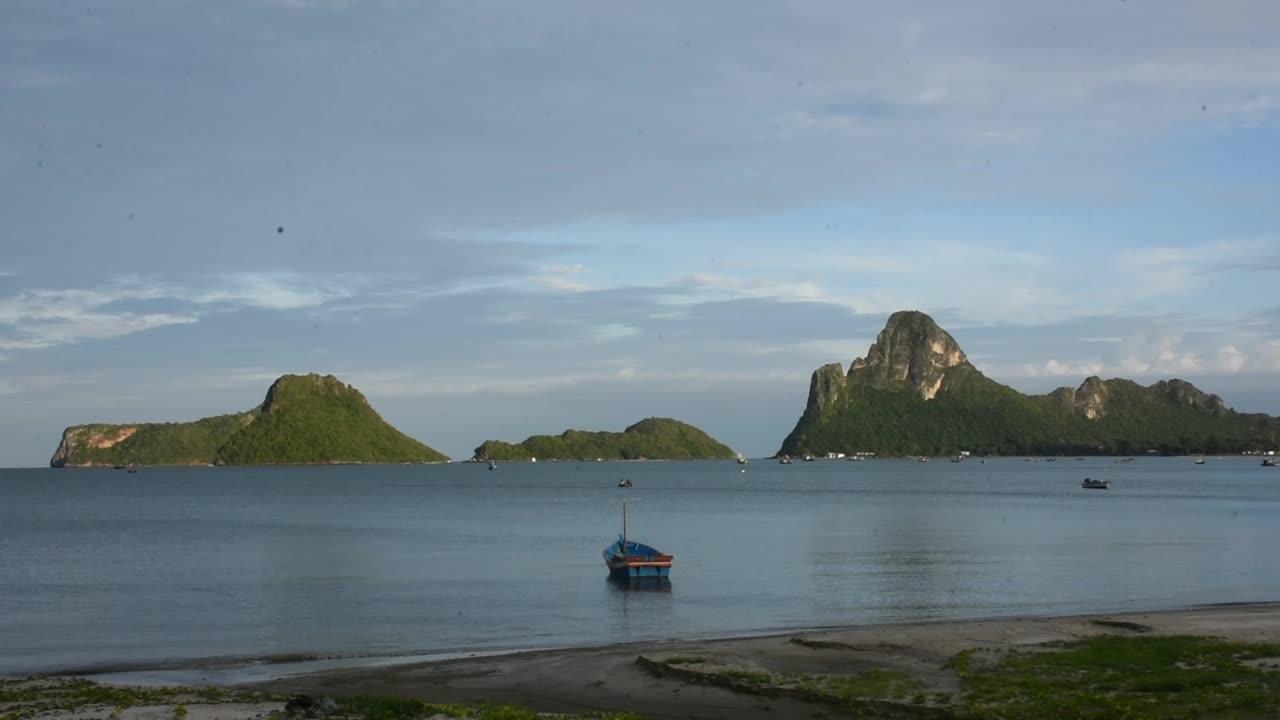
(640, 585)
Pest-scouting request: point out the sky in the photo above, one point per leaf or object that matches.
(504, 218)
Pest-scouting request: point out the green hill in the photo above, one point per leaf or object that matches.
(304, 419)
(917, 394)
(189, 443)
(653, 438)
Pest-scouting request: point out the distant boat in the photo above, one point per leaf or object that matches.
(784, 460)
(956, 459)
(1090, 484)
(624, 482)
(1199, 461)
(1051, 459)
(922, 458)
(807, 457)
(132, 469)
(1125, 459)
(630, 560)
(741, 460)
(1269, 463)
(493, 465)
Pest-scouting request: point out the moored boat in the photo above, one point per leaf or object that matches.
(784, 460)
(630, 560)
(742, 460)
(624, 482)
(1091, 484)
(1269, 463)
(493, 465)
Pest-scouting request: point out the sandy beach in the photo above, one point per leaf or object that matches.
(610, 678)
(916, 670)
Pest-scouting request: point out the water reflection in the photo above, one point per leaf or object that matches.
(645, 585)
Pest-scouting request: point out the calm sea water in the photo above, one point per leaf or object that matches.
(100, 566)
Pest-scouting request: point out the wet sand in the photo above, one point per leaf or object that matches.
(610, 678)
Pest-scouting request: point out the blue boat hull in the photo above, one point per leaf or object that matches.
(625, 572)
(636, 561)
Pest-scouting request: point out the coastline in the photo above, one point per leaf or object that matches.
(650, 678)
(609, 678)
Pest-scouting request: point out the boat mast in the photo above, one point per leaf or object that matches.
(624, 526)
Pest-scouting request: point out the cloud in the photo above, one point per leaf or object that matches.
(274, 291)
(42, 318)
(560, 278)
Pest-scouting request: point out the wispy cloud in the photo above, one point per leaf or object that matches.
(42, 318)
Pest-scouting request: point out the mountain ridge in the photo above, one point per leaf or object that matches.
(916, 393)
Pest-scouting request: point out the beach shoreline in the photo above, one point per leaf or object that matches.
(609, 678)
(644, 677)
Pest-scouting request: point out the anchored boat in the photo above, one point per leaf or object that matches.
(630, 560)
(1090, 484)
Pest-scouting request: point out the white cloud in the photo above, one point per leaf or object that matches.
(1231, 360)
(272, 291)
(612, 331)
(42, 318)
(560, 278)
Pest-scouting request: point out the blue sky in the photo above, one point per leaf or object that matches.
(499, 219)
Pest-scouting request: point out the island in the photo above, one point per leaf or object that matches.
(916, 393)
(304, 419)
(652, 438)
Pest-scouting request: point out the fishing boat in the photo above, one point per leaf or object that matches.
(1199, 461)
(630, 560)
(742, 460)
(807, 457)
(624, 482)
(493, 465)
(784, 460)
(1269, 463)
(1091, 484)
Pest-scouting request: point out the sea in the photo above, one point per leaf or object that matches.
(209, 567)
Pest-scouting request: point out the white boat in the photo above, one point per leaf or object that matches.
(741, 460)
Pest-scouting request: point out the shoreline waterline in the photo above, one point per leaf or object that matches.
(252, 671)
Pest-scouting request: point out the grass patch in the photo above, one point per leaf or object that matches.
(32, 697)
(1124, 677)
(684, 660)
(886, 693)
(382, 708)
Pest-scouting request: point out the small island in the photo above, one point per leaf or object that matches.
(304, 419)
(649, 439)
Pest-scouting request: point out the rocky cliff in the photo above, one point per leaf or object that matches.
(915, 393)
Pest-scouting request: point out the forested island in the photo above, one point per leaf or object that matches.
(916, 393)
(651, 438)
(304, 419)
